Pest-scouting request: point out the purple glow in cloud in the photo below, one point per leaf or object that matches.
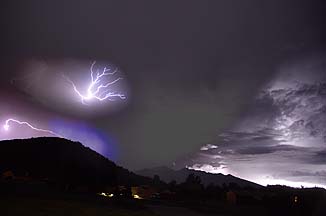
(103, 143)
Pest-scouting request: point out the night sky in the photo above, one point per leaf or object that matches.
(237, 87)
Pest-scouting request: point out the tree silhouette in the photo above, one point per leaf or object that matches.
(192, 179)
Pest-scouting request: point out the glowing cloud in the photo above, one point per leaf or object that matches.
(270, 181)
(99, 87)
(7, 127)
(208, 147)
(209, 168)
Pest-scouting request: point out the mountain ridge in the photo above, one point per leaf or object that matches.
(167, 174)
(62, 160)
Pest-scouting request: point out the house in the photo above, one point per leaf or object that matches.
(231, 197)
(143, 192)
(8, 175)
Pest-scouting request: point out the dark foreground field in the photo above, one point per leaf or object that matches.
(18, 206)
(27, 206)
(81, 205)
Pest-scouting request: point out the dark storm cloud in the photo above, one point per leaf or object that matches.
(318, 157)
(282, 133)
(318, 173)
(256, 142)
(194, 67)
(266, 149)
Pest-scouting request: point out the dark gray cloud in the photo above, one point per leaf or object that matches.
(302, 173)
(318, 157)
(266, 149)
(284, 130)
(193, 69)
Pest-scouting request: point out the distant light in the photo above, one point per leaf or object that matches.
(105, 194)
(102, 194)
(295, 199)
(137, 197)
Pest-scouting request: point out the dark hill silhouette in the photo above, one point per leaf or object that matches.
(64, 161)
(166, 174)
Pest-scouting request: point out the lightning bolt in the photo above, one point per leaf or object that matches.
(6, 126)
(98, 89)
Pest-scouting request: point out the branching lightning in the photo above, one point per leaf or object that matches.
(7, 127)
(98, 88)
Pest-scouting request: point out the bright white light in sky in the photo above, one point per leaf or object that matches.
(7, 127)
(297, 184)
(99, 86)
(209, 168)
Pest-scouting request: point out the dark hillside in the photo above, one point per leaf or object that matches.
(64, 161)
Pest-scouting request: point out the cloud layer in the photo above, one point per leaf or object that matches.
(282, 139)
